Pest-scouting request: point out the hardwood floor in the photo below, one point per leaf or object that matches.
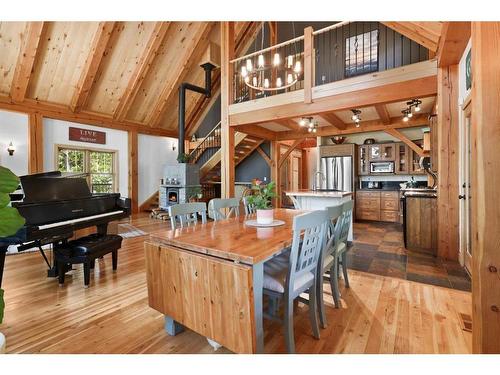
(379, 314)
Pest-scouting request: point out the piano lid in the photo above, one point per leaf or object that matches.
(53, 186)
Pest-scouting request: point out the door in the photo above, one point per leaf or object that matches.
(465, 190)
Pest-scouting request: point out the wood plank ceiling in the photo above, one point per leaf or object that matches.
(123, 73)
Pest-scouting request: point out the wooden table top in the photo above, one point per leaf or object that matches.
(232, 239)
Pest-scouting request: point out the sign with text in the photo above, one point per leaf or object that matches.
(86, 135)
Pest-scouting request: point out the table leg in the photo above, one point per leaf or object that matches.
(258, 277)
(172, 327)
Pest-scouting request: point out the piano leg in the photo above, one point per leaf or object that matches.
(3, 251)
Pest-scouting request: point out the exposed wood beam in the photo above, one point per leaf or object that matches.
(266, 158)
(141, 70)
(133, 173)
(275, 175)
(288, 152)
(91, 67)
(308, 63)
(250, 151)
(335, 121)
(35, 143)
(415, 32)
(453, 41)
(257, 131)
(62, 112)
(388, 93)
(397, 134)
(30, 46)
(383, 113)
(194, 48)
(289, 124)
(365, 126)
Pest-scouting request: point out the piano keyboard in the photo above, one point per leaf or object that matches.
(80, 219)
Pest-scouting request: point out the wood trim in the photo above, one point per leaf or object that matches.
(227, 132)
(141, 70)
(335, 121)
(266, 158)
(417, 33)
(193, 49)
(275, 175)
(448, 190)
(454, 39)
(133, 170)
(91, 67)
(383, 113)
(308, 64)
(288, 152)
(61, 112)
(35, 143)
(30, 46)
(397, 134)
(257, 131)
(484, 187)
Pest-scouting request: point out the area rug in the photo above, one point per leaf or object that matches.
(129, 231)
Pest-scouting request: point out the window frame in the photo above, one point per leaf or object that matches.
(86, 166)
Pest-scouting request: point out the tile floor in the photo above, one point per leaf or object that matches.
(378, 248)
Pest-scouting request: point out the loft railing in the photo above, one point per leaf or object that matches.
(340, 51)
(207, 147)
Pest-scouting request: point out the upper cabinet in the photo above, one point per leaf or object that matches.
(402, 156)
(382, 152)
(363, 164)
(415, 161)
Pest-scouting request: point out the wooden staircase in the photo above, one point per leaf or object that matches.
(151, 203)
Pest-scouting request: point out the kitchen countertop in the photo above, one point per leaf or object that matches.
(319, 193)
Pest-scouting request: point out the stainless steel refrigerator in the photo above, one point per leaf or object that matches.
(337, 172)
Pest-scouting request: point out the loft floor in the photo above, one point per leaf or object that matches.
(379, 314)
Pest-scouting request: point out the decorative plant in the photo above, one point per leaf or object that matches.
(194, 192)
(262, 194)
(10, 220)
(183, 158)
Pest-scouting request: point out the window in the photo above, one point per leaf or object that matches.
(99, 166)
(361, 54)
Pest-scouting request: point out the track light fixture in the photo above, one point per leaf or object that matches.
(412, 104)
(309, 123)
(356, 116)
(406, 114)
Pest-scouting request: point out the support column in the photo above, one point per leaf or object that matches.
(35, 143)
(133, 165)
(448, 183)
(227, 132)
(484, 190)
(275, 175)
(308, 64)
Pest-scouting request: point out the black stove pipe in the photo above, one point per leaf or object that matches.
(207, 91)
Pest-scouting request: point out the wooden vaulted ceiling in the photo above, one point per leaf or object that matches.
(123, 73)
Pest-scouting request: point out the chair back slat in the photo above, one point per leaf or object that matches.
(249, 208)
(333, 229)
(187, 213)
(346, 220)
(216, 205)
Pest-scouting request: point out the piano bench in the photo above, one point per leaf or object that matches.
(86, 250)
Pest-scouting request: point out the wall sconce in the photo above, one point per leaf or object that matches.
(11, 149)
(174, 146)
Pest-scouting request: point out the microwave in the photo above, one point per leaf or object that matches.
(382, 167)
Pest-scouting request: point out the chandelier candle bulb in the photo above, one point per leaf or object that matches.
(249, 65)
(276, 60)
(254, 81)
(244, 71)
(289, 61)
(266, 83)
(298, 67)
(260, 61)
(278, 82)
(289, 79)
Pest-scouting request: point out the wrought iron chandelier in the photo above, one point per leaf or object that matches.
(286, 71)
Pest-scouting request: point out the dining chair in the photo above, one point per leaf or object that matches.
(249, 208)
(187, 213)
(217, 204)
(294, 272)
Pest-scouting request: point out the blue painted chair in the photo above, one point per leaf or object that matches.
(294, 272)
(187, 213)
(216, 205)
(249, 208)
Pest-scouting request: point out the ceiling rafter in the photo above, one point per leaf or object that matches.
(141, 70)
(289, 124)
(30, 47)
(383, 113)
(91, 66)
(192, 50)
(418, 32)
(333, 120)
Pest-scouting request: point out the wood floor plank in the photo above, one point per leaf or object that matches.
(378, 314)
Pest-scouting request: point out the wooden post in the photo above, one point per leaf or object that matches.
(133, 165)
(448, 184)
(308, 63)
(484, 190)
(35, 143)
(227, 132)
(275, 176)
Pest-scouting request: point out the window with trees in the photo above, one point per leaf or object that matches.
(99, 167)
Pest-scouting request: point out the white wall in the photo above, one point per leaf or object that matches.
(56, 132)
(14, 128)
(154, 152)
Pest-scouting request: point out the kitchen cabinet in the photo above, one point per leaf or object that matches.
(420, 224)
(382, 152)
(363, 164)
(415, 161)
(378, 206)
(402, 157)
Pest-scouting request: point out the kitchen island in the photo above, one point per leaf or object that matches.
(304, 199)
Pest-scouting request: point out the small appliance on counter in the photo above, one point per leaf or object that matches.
(374, 185)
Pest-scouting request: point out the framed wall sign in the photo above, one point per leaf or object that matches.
(87, 135)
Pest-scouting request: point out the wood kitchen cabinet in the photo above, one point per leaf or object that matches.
(378, 206)
(363, 164)
(402, 159)
(382, 152)
(415, 161)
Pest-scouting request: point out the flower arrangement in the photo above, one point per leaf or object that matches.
(262, 194)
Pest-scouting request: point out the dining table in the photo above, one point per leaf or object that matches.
(209, 277)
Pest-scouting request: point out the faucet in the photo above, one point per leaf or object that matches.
(323, 178)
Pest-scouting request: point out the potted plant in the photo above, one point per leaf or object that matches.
(10, 223)
(261, 199)
(193, 193)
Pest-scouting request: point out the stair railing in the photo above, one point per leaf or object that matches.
(207, 147)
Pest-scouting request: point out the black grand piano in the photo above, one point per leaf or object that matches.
(54, 206)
